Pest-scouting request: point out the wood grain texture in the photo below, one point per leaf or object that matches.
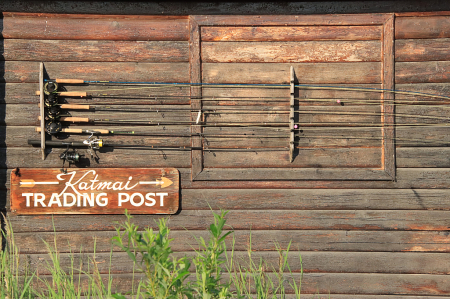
(95, 50)
(319, 91)
(432, 115)
(24, 114)
(24, 93)
(329, 73)
(311, 173)
(311, 199)
(329, 284)
(26, 71)
(302, 240)
(422, 49)
(422, 72)
(308, 157)
(94, 27)
(358, 239)
(431, 136)
(423, 157)
(388, 108)
(422, 27)
(289, 33)
(17, 157)
(195, 220)
(421, 178)
(312, 262)
(17, 136)
(289, 52)
(291, 20)
(196, 94)
(416, 178)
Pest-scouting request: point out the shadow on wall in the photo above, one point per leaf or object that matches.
(3, 170)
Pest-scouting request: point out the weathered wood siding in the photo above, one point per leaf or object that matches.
(360, 236)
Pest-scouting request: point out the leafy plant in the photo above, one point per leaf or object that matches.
(209, 262)
(152, 253)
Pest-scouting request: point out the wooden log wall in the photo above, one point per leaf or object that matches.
(359, 237)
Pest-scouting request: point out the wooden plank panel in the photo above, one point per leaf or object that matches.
(422, 49)
(422, 72)
(288, 52)
(309, 136)
(94, 27)
(18, 157)
(329, 284)
(422, 27)
(423, 157)
(19, 114)
(418, 179)
(377, 284)
(95, 51)
(302, 240)
(312, 262)
(17, 136)
(319, 73)
(27, 72)
(27, 115)
(425, 136)
(328, 91)
(320, 199)
(292, 20)
(388, 78)
(434, 93)
(367, 220)
(195, 70)
(24, 93)
(308, 157)
(436, 115)
(305, 199)
(13, 93)
(312, 173)
(289, 33)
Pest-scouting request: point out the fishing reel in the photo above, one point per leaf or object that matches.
(51, 100)
(71, 156)
(53, 112)
(53, 127)
(50, 87)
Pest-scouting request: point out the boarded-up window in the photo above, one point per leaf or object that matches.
(343, 119)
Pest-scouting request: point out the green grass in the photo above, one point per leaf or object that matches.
(212, 273)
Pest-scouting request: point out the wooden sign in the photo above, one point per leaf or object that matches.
(95, 191)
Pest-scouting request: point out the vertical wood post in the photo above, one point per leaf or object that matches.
(41, 102)
(196, 94)
(388, 82)
(291, 116)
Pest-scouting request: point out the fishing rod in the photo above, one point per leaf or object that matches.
(138, 133)
(52, 83)
(51, 89)
(216, 110)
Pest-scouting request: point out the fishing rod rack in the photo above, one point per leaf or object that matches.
(51, 117)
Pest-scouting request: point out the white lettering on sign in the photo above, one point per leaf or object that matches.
(79, 185)
(137, 202)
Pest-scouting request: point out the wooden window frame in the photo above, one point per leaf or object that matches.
(387, 170)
